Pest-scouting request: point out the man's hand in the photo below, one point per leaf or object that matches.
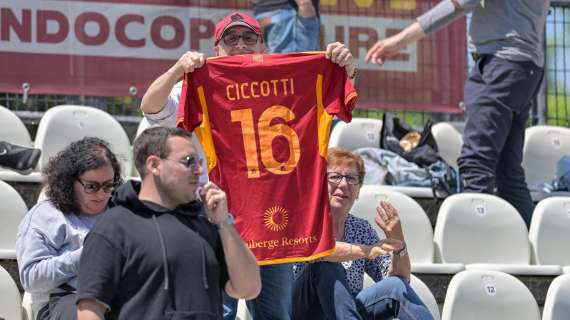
(189, 62)
(216, 202)
(384, 49)
(383, 247)
(339, 54)
(389, 47)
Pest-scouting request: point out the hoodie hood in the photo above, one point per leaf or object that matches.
(127, 195)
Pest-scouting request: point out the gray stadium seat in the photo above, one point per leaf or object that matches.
(10, 301)
(359, 133)
(489, 295)
(557, 302)
(543, 147)
(549, 232)
(449, 142)
(485, 232)
(64, 124)
(12, 210)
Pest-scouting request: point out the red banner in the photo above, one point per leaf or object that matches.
(118, 47)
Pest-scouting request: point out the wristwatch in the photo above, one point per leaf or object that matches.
(402, 252)
(228, 221)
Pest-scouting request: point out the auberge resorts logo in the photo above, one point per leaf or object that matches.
(276, 218)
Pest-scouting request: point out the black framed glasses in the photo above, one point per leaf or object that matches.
(190, 162)
(94, 187)
(336, 178)
(232, 38)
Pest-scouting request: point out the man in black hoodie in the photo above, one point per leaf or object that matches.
(160, 253)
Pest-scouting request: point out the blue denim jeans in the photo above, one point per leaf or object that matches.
(274, 301)
(289, 32)
(498, 95)
(322, 292)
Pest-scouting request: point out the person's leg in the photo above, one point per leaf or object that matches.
(230, 307)
(322, 292)
(63, 308)
(274, 301)
(306, 34)
(497, 96)
(392, 297)
(487, 124)
(511, 184)
(279, 32)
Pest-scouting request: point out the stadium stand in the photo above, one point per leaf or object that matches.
(557, 304)
(415, 225)
(549, 232)
(489, 295)
(485, 232)
(12, 211)
(10, 303)
(449, 142)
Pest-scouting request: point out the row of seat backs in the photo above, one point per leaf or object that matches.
(471, 294)
(64, 124)
(474, 229)
(543, 146)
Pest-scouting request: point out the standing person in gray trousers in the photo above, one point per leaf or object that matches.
(506, 41)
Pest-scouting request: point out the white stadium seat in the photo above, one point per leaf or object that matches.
(543, 147)
(449, 142)
(489, 295)
(485, 232)
(12, 210)
(359, 133)
(557, 302)
(12, 129)
(549, 232)
(416, 226)
(10, 301)
(64, 124)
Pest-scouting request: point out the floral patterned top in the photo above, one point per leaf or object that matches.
(359, 231)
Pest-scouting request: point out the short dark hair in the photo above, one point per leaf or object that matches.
(70, 163)
(152, 141)
(339, 155)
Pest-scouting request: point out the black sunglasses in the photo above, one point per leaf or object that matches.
(94, 187)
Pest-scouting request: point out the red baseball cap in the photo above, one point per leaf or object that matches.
(236, 19)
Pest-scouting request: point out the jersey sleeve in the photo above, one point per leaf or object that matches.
(189, 111)
(339, 93)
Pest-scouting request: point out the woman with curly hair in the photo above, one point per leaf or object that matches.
(79, 182)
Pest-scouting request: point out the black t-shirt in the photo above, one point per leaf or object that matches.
(123, 265)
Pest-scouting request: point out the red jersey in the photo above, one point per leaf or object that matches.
(263, 122)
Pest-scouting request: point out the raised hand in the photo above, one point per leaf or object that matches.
(388, 220)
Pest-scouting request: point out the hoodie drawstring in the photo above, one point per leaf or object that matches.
(163, 247)
(204, 278)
